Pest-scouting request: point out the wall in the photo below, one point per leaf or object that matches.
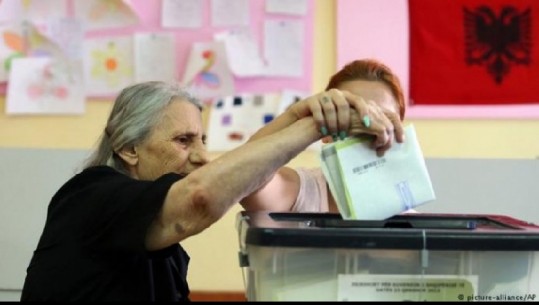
(214, 263)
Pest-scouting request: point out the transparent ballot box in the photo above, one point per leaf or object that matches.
(408, 257)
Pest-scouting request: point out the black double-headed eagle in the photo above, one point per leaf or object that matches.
(497, 41)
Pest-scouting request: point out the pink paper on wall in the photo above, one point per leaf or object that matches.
(379, 29)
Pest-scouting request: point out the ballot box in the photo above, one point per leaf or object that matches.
(408, 257)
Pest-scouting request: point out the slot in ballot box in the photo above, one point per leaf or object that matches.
(408, 257)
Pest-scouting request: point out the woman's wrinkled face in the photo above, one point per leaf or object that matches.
(176, 144)
(377, 91)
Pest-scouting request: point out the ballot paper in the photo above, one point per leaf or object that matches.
(368, 187)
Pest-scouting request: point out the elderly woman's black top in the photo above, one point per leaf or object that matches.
(92, 246)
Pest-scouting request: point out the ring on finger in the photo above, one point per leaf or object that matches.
(366, 121)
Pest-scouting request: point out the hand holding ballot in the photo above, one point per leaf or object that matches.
(369, 187)
(341, 113)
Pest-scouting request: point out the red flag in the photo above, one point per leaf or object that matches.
(470, 52)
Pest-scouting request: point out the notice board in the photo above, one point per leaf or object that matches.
(149, 14)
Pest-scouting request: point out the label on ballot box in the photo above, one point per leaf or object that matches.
(358, 287)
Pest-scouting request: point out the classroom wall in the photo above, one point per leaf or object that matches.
(214, 263)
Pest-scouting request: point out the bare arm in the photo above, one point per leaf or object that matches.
(247, 173)
(204, 196)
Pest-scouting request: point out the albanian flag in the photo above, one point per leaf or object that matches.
(474, 52)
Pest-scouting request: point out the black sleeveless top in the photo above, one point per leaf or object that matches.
(92, 245)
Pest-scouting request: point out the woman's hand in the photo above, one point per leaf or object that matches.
(340, 113)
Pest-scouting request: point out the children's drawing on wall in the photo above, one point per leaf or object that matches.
(42, 85)
(207, 73)
(35, 10)
(205, 77)
(102, 14)
(108, 65)
(23, 39)
(233, 119)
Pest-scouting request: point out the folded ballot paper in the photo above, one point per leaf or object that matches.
(368, 187)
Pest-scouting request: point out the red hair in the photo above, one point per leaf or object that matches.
(371, 70)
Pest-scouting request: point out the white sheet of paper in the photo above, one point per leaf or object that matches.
(155, 56)
(377, 188)
(243, 53)
(229, 12)
(181, 13)
(42, 85)
(35, 10)
(291, 7)
(283, 47)
(68, 34)
(11, 10)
